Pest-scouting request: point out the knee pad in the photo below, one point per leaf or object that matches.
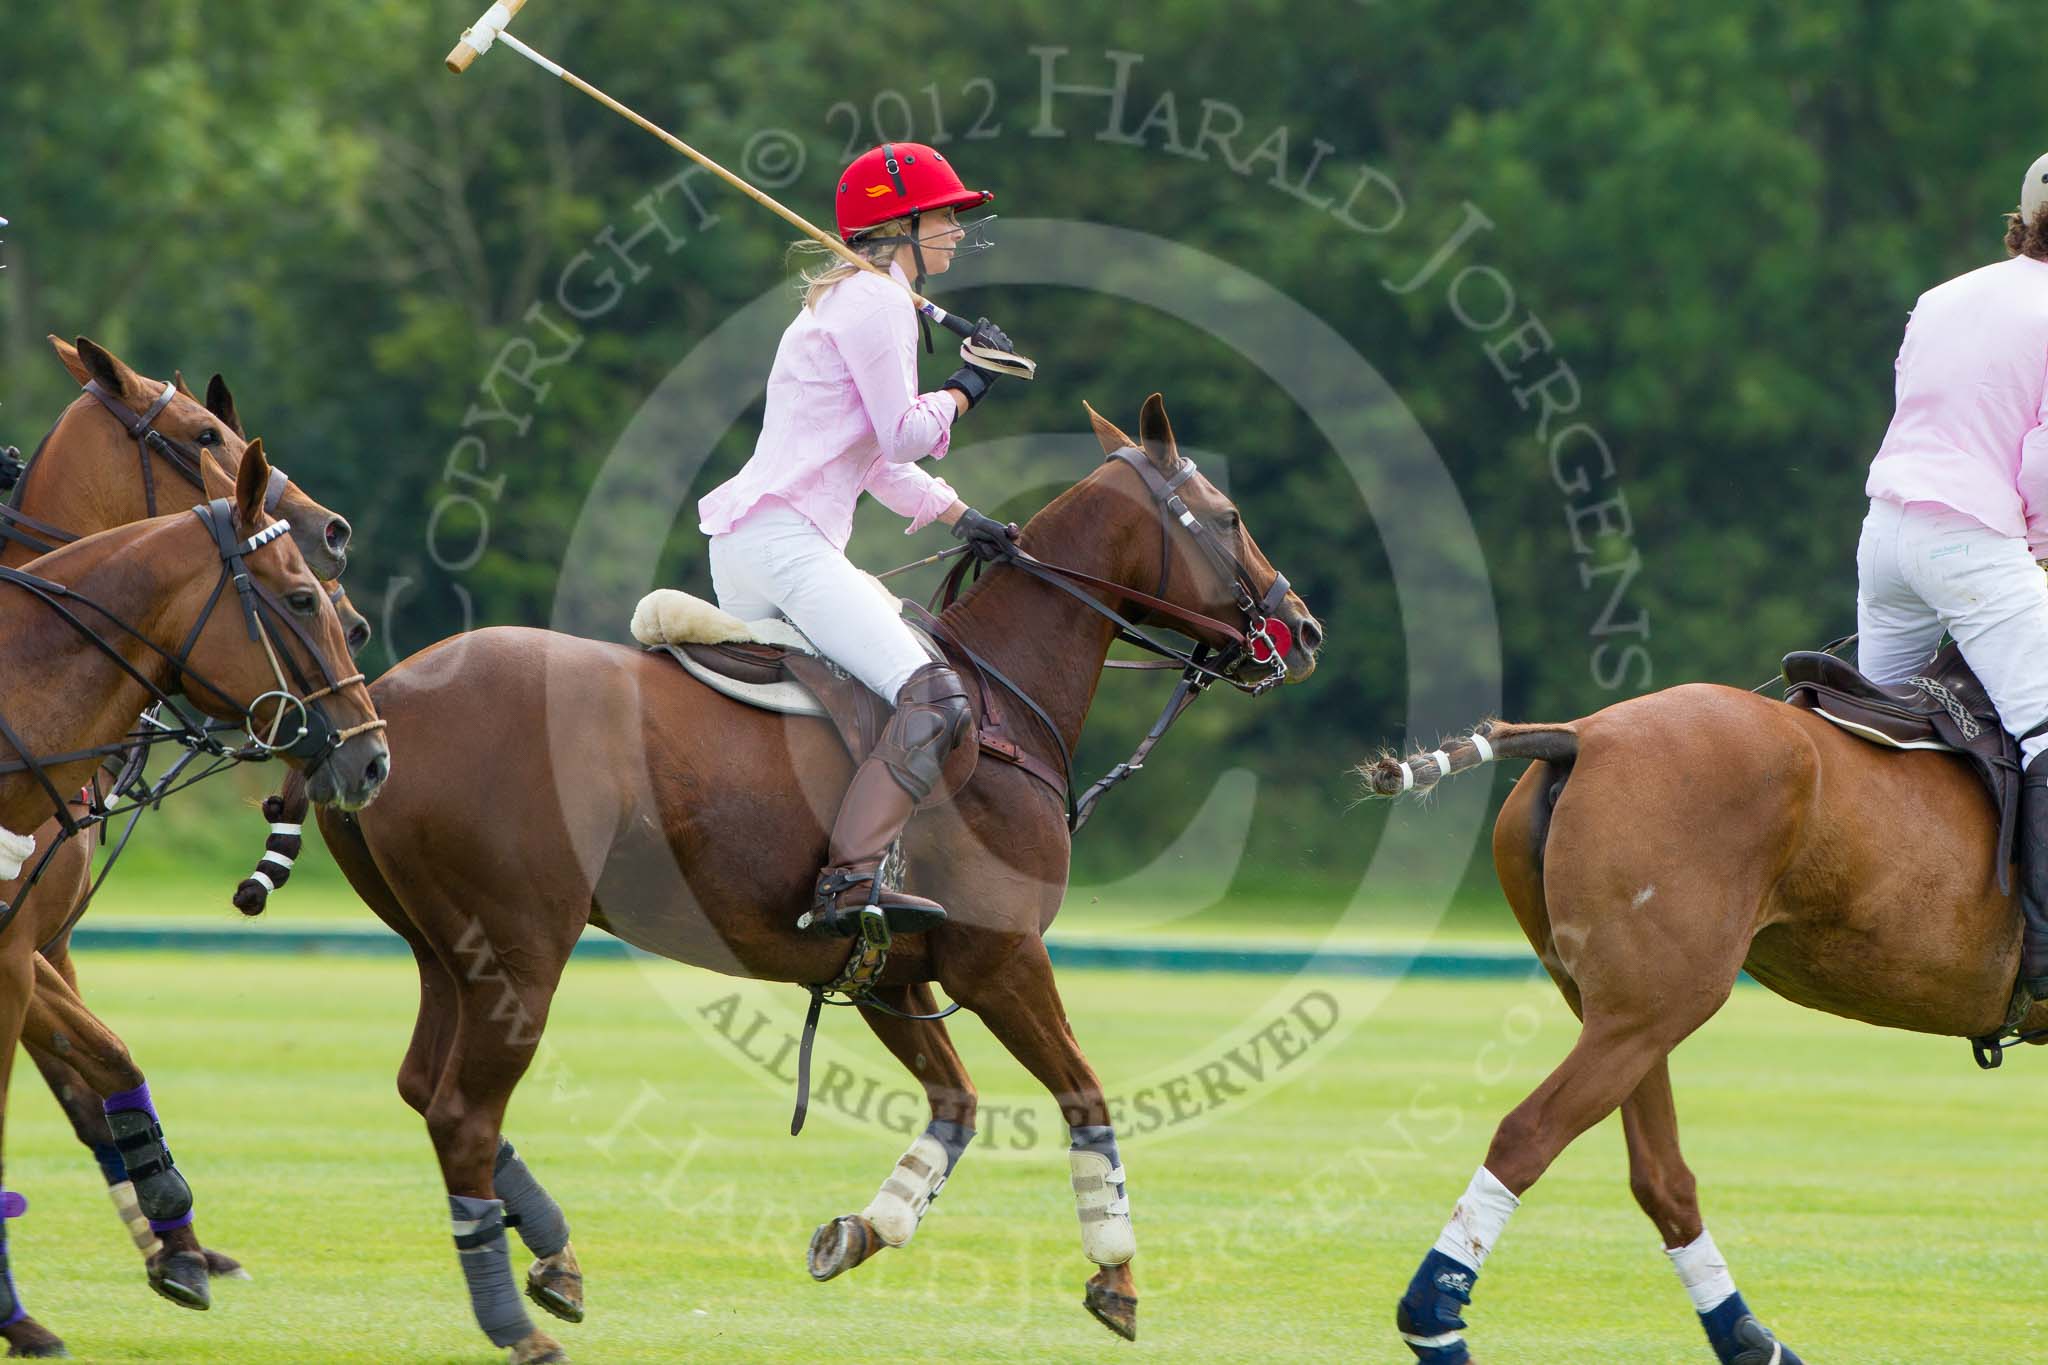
(932, 718)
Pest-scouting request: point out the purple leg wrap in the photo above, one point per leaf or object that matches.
(10, 1301)
(127, 1100)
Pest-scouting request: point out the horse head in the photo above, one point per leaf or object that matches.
(1199, 553)
(277, 657)
(209, 433)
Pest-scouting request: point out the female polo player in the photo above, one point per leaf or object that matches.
(845, 417)
(1959, 514)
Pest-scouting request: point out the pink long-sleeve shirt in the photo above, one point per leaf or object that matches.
(1971, 428)
(844, 416)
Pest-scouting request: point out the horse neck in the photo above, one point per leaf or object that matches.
(1049, 644)
(86, 479)
(77, 698)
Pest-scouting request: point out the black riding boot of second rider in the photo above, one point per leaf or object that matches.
(2033, 841)
(932, 718)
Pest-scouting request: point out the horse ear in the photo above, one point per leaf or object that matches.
(68, 354)
(1155, 433)
(117, 379)
(221, 404)
(1106, 431)
(251, 483)
(178, 383)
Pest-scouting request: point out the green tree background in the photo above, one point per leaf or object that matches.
(1719, 215)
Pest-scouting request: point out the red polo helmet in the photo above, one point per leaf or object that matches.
(895, 179)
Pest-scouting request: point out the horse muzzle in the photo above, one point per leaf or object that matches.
(351, 776)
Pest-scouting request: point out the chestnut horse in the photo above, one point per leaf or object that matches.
(103, 627)
(632, 797)
(1662, 846)
(91, 473)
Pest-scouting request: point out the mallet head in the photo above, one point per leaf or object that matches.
(478, 37)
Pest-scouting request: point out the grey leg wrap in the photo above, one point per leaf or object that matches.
(528, 1207)
(953, 1137)
(165, 1198)
(487, 1266)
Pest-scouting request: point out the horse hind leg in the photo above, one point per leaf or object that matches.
(893, 1216)
(1014, 994)
(1664, 1186)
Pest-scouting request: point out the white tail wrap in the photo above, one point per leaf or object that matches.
(1443, 763)
(1485, 749)
(1104, 1207)
(1407, 778)
(15, 849)
(899, 1205)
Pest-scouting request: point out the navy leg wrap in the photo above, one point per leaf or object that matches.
(1739, 1339)
(139, 1137)
(11, 1310)
(1430, 1316)
(487, 1266)
(954, 1138)
(528, 1207)
(111, 1166)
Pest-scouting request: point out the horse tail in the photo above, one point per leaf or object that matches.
(286, 812)
(1388, 776)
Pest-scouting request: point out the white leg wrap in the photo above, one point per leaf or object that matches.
(1478, 1221)
(15, 849)
(897, 1207)
(1703, 1272)
(130, 1209)
(1104, 1208)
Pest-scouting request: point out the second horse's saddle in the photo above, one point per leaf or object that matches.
(1942, 707)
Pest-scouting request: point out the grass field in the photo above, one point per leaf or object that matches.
(1864, 1185)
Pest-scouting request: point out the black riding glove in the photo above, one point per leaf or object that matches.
(971, 379)
(987, 539)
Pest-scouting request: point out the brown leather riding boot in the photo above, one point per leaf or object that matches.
(932, 718)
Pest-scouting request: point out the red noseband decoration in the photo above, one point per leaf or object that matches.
(1272, 640)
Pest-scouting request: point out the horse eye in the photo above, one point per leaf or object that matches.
(303, 602)
(1229, 521)
(209, 437)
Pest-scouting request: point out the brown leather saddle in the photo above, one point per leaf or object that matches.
(1942, 707)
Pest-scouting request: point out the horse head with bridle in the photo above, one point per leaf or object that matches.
(129, 447)
(692, 825)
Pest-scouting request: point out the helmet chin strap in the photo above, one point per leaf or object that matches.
(924, 324)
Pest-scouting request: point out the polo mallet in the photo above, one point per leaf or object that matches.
(491, 28)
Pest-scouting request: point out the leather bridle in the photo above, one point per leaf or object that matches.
(314, 738)
(187, 460)
(1252, 641)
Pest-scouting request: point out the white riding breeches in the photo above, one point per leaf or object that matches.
(1922, 569)
(776, 563)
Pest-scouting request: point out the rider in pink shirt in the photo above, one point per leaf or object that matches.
(1959, 515)
(845, 417)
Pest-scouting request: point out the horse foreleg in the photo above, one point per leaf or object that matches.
(23, 1334)
(1664, 1186)
(59, 1024)
(893, 1216)
(1014, 993)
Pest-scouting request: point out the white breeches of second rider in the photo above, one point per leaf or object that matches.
(1922, 569)
(776, 563)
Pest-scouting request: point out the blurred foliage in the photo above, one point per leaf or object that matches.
(1719, 215)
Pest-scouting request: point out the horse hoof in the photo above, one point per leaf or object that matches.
(840, 1245)
(31, 1340)
(224, 1267)
(556, 1284)
(538, 1349)
(181, 1278)
(1117, 1312)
